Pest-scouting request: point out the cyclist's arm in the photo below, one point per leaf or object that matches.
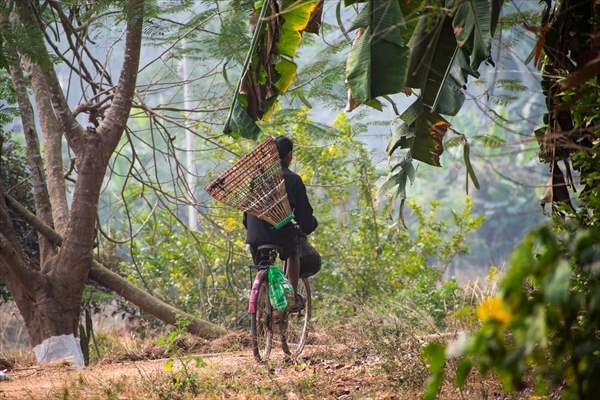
(303, 211)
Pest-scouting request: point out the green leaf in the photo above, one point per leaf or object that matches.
(472, 26)
(397, 179)
(489, 140)
(423, 132)
(556, 287)
(241, 124)
(296, 15)
(446, 49)
(435, 356)
(432, 56)
(468, 165)
(403, 134)
(287, 73)
(376, 65)
(462, 371)
(453, 142)
(427, 146)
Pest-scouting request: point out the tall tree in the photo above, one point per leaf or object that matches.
(48, 293)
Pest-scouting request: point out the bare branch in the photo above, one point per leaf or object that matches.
(118, 113)
(72, 129)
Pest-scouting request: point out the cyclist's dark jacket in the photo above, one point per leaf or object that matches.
(260, 232)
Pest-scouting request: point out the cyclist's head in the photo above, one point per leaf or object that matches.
(285, 147)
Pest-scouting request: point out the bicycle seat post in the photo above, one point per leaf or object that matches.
(267, 254)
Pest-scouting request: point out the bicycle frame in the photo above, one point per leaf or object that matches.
(253, 298)
(259, 278)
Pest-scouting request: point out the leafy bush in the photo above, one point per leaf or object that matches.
(544, 325)
(365, 257)
(182, 378)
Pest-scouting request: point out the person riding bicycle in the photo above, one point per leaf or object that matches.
(303, 260)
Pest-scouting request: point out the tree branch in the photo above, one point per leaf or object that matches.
(121, 286)
(74, 132)
(34, 158)
(95, 151)
(52, 148)
(118, 113)
(33, 220)
(151, 304)
(13, 268)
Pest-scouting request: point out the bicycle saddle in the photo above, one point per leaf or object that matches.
(267, 253)
(269, 247)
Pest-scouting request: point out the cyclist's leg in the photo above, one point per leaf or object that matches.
(293, 270)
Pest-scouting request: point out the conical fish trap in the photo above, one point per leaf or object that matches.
(255, 184)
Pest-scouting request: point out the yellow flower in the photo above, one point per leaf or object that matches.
(493, 309)
(230, 224)
(305, 176)
(332, 150)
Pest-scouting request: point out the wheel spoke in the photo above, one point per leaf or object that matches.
(296, 329)
(262, 329)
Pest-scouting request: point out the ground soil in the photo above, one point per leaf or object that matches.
(332, 371)
(322, 372)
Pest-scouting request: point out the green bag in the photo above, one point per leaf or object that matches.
(280, 289)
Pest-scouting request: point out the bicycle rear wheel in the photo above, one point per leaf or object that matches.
(261, 324)
(295, 326)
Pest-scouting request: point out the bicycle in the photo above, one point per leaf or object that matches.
(292, 327)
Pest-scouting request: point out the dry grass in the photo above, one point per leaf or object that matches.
(15, 350)
(373, 355)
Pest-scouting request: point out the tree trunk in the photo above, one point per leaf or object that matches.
(50, 310)
(51, 317)
(122, 286)
(151, 304)
(49, 298)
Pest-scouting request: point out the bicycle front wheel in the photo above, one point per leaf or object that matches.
(295, 326)
(261, 324)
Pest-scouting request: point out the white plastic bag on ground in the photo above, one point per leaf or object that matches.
(58, 348)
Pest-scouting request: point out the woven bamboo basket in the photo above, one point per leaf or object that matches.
(255, 184)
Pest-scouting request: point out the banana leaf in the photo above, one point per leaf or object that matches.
(422, 132)
(296, 16)
(473, 25)
(435, 63)
(269, 69)
(376, 65)
(240, 124)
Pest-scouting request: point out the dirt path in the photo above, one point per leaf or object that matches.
(43, 383)
(321, 373)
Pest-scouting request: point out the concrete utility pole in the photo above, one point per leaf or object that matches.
(189, 142)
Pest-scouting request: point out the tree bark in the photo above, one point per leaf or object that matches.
(150, 304)
(44, 310)
(52, 148)
(50, 298)
(40, 192)
(73, 131)
(121, 286)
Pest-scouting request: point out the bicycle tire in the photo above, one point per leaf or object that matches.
(261, 324)
(293, 332)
